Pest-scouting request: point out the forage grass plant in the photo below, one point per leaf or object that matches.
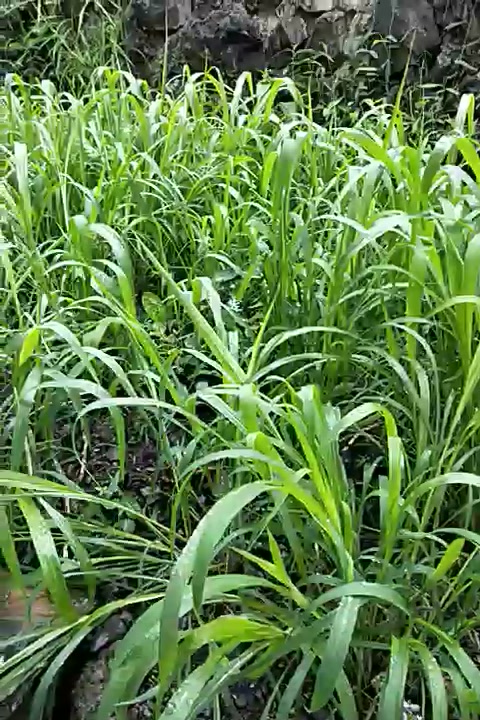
(265, 298)
(62, 40)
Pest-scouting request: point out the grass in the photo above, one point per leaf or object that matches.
(63, 41)
(289, 313)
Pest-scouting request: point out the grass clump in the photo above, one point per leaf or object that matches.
(288, 314)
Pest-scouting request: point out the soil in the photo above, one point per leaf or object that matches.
(244, 701)
(148, 484)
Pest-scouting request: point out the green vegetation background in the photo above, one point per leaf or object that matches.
(279, 297)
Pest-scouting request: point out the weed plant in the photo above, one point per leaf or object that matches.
(290, 312)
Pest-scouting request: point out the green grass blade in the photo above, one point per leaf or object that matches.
(393, 692)
(336, 651)
(48, 558)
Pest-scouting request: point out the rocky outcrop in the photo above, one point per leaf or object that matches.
(237, 35)
(250, 34)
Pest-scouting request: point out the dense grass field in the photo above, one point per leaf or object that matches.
(282, 313)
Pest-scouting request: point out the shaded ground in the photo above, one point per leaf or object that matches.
(244, 701)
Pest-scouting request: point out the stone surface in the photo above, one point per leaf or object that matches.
(238, 35)
(169, 15)
(227, 37)
(317, 6)
(337, 30)
(412, 21)
(342, 6)
(295, 31)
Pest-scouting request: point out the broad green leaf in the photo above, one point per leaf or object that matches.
(8, 550)
(346, 698)
(336, 651)
(464, 119)
(265, 565)
(453, 478)
(180, 704)
(232, 627)
(140, 646)
(204, 329)
(467, 148)
(48, 558)
(374, 591)
(435, 160)
(194, 563)
(462, 694)
(29, 345)
(40, 698)
(277, 559)
(393, 692)
(463, 661)
(26, 400)
(294, 687)
(450, 557)
(63, 524)
(436, 685)
(418, 269)
(118, 247)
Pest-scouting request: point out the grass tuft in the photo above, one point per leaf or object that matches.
(285, 314)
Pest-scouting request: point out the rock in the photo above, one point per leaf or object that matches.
(89, 687)
(338, 32)
(19, 614)
(408, 20)
(341, 6)
(295, 30)
(10, 28)
(228, 38)
(459, 16)
(112, 630)
(161, 14)
(317, 6)
(237, 35)
(288, 33)
(458, 61)
(247, 699)
(445, 63)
